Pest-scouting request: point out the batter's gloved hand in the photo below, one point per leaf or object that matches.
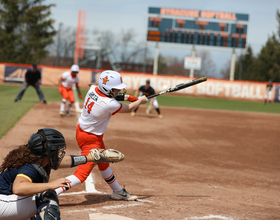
(80, 95)
(106, 156)
(132, 98)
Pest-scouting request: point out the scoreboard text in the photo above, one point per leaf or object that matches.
(197, 27)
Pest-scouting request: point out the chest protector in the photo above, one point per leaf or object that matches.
(44, 172)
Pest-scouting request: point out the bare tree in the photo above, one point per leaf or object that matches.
(109, 41)
(122, 48)
(226, 70)
(64, 44)
(208, 67)
(68, 42)
(128, 49)
(175, 66)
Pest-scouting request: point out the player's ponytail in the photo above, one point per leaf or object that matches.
(19, 157)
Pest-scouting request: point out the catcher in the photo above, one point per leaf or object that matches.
(101, 102)
(147, 90)
(25, 189)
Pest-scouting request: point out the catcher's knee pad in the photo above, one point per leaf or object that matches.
(47, 206)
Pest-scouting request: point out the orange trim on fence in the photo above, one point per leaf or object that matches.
(23, 65)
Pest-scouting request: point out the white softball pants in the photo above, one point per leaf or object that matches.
(17, 207)
(155, 103)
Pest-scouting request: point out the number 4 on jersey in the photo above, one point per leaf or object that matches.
(89, 106)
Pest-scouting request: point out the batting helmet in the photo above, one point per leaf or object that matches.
(75, 68)
(48, 142)
(109, 80)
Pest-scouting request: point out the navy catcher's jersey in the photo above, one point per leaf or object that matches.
(147, 92)
(7, 177)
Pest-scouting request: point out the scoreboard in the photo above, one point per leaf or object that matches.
(197, 27)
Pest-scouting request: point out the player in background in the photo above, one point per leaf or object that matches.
(268, 92)
(32, 78)
(101, 102)
(24, 177)
(147, 90)
(66, 82)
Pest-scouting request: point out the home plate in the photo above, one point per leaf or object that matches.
(101, 216)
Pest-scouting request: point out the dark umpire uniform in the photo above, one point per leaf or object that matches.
(32, 78)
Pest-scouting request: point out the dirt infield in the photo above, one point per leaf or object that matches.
(191, 164)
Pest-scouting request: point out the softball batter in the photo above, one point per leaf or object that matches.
(101, 102)
(67, 80)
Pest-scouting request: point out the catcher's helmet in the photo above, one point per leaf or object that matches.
(48, 142)
(109, 80)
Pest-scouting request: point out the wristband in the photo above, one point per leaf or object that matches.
(120, 97)
(78, 160)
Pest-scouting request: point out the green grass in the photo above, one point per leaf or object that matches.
(222, 104)
(11, 112)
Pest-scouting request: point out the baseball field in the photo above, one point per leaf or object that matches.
(205, 159)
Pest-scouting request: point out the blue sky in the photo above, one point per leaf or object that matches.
(116, 15)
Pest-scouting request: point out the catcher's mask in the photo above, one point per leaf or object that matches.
(109, 80)
(48, 142)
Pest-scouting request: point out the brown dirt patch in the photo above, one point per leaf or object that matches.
(191, 163)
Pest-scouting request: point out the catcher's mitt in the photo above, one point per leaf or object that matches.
(106, 156)
(149, 110)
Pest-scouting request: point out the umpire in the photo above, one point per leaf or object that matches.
(32, 78)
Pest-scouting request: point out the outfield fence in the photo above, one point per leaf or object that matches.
(215, 88)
